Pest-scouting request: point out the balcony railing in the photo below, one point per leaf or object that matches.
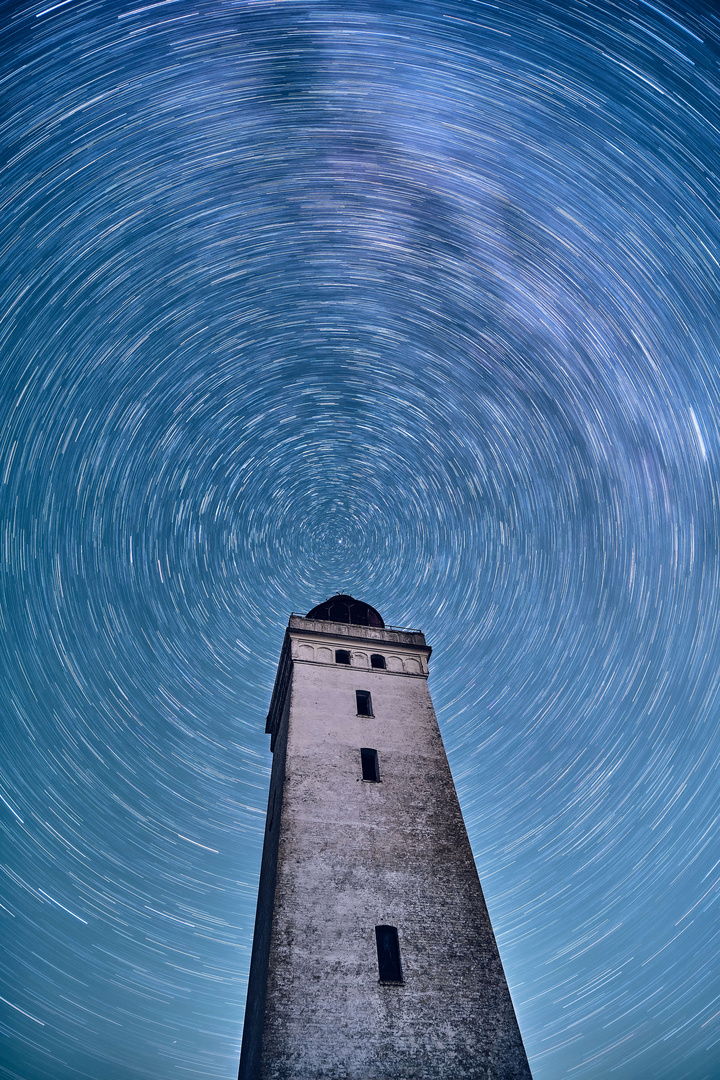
(396, 629)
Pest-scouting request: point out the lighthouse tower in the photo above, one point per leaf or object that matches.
(373, 956)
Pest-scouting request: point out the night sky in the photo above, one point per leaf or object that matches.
(414, 300)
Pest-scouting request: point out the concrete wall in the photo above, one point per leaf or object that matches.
(350, 855)
(257, 983)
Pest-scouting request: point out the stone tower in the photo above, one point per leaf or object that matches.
(373, 956)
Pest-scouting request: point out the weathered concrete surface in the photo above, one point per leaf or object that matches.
(342, 856)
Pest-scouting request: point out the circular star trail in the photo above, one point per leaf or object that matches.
(412, 300)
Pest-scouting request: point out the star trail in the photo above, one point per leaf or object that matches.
(414, 300)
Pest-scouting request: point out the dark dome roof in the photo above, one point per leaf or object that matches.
(344, 608)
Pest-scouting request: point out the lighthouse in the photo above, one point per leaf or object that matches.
(373, 956)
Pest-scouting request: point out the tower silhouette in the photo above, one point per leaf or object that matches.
(373, 956)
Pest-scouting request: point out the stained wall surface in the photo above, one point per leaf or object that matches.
(344, 855)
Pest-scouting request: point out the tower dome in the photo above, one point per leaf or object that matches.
(346, 609)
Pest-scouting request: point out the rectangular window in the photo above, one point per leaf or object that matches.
(364, 703)
(342, 656)
(388, 950)
(370, 766)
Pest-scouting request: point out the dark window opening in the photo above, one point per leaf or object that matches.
(388, 950)
(377, 661)
(271, 815)
(370, 765)
(342, 656)
(364, 703)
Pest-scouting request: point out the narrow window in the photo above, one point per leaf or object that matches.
(342, 656)
(388, 950)
(377, 661)
(364, 703)
(370, 766)
(271, 815)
